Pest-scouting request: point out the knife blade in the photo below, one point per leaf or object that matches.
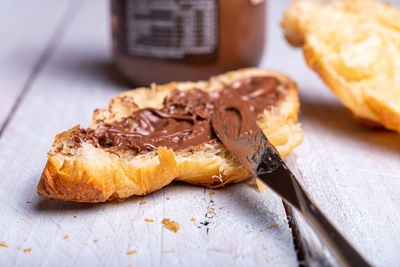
(248, 144)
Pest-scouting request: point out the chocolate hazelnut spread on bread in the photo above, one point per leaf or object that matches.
(184, 121)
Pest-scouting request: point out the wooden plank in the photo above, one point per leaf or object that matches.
(351, 172)
(28, 33)
(75, 80)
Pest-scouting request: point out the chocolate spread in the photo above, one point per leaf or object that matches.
(184, 121)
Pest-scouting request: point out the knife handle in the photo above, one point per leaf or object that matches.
(338, 245)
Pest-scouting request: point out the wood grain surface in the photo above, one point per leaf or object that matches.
(55, 68)
(29, 31)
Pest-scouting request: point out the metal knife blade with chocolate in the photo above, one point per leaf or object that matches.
(246, 141)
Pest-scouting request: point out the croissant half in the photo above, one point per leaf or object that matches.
(354, 46)
(93, 174)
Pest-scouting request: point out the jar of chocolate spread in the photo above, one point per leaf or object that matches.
(173, 40)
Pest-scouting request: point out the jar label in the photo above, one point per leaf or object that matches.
(174, 29)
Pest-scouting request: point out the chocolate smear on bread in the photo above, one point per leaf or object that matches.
(184, 121)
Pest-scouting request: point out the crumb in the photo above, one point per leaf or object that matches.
(212, 193)
(279, 238)
(66, 236)
(221, 207)
(193, 219)
(143, 202)
(261, 230)
(167, 198)
(25, 240)
(95, 241)
(337, 169)
(28, 202)
(106, 236)
(211, 212)
(261, 187)
(272, 226)
(3, 244)
(27, 250)
(149, 220)
(205, 223)
(170, 225)
(131, 252)
(84, 244)
(74, 217)
(168, 251)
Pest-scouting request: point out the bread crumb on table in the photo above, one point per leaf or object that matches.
(28, 202)
(193, 219)
(66, 236)
(143, 202)
(27, 250)
(170, 225)
(212, 193)
(95, 241)
(3, 244)
(261, 187)
(149, 220)
(272, 226)
(131, 252)
(168, 251)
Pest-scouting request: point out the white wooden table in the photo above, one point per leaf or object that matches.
(55, 69)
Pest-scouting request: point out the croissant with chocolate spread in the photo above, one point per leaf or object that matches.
(149, 137)
(354, 46)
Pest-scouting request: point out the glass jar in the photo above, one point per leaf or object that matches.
(174, 40)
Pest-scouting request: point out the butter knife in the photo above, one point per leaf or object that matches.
(246, 141)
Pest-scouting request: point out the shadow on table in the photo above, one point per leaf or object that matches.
(245, 199)
(88, 63)
(106, 70)
(332, 116)
(46, 205)
(100, 70)
(237, 195)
